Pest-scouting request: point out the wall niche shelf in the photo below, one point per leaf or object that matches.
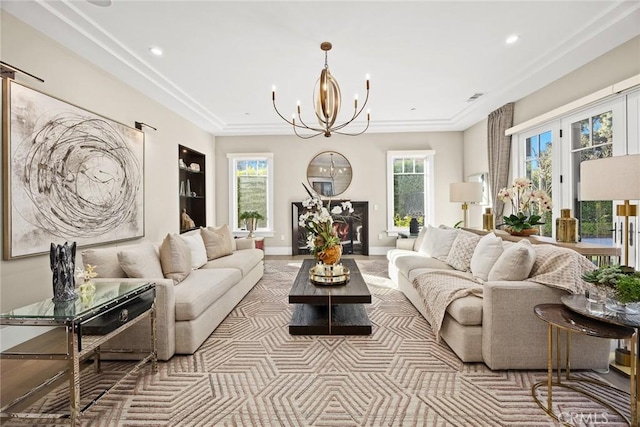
(192, 186)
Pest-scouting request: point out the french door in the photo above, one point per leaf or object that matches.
(599, 132)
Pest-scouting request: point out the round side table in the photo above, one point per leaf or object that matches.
(562, 318)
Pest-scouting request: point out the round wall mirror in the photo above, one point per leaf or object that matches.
(329, 174)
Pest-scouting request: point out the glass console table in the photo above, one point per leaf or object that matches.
(88, 322)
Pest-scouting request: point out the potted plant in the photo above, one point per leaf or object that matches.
(622, 287)
(251, 219)
(527, 205)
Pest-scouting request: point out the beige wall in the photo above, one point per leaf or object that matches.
(475, 162)
(74, 80)
(612, 67)
(367, 155)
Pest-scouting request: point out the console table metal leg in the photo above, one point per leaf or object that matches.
(154, 340)
(74, 375)
(549, 364)
(633, 378)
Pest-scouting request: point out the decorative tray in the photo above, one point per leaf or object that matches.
(322, 274)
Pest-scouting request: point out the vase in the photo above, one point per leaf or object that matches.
(523, 232)
(331, 255)
(62, 260)
(566, 227)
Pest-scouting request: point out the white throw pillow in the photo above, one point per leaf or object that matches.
(198, 251)
(140, 261)
(515, 263)
(487, 252)
(418, 242)
(462, 250)
(438, 241)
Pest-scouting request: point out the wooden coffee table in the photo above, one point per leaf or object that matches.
(329, 309)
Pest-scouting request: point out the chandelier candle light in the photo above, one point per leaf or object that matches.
(327, 101)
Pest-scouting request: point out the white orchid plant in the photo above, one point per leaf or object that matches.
(527, 204)
(317, 220)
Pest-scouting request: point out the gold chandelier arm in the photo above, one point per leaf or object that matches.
(306, 136)
(293, 123)
(356, 113)
(353, 134)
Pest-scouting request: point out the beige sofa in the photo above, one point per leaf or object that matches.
(188, 311)
(499, 328)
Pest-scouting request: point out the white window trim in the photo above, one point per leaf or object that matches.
(428, 156)
(233, 158)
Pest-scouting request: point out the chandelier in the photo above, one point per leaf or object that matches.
(327, 100)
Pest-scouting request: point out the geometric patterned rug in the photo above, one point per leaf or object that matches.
(250, 371)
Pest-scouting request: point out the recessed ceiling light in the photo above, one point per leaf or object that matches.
(101, 3)
(155, 50)
(512, 39)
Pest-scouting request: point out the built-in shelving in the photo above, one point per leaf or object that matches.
(192, 186)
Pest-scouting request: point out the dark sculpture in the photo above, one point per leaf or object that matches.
(63, 265)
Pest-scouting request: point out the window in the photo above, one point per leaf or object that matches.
(409, 188)
(538, 168)
(251, 189)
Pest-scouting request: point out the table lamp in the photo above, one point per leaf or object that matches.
(613, 178)
(465, 193)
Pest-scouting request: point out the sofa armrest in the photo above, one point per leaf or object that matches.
(138, 336)
(242, 244)
(513, 337)
(405, 243)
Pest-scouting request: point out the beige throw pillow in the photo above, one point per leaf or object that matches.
(227, 230)
(140, 261)
(515, 263)
(487, 252)
(105, 261)
(217, 243)
(462, 250)
(175, 258)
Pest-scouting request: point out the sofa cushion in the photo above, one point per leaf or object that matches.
(466, 310)
(105, 261)
(196, 246)
(175, 258)
(140, 261)
(438, 241)
(244, 260)
(201, 289)
(217, 242)
(515, 263)
(407, 263)
(462, 250)
(487, 252)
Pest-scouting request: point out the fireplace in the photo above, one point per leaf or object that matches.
(353, 230)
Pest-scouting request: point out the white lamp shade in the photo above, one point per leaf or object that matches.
(465, 192)
(611, 178)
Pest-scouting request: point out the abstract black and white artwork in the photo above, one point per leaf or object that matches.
(71, 175)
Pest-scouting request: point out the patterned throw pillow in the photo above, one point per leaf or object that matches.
(462, 250)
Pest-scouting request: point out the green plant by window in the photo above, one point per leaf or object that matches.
(628, 288)
(250, 215)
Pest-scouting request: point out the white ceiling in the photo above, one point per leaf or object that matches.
(425, 58)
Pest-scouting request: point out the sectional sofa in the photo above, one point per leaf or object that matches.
(200, 276)
(495, 324)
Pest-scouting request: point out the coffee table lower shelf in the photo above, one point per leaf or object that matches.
(347, 319)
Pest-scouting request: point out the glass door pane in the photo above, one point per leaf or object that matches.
(592, 138)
